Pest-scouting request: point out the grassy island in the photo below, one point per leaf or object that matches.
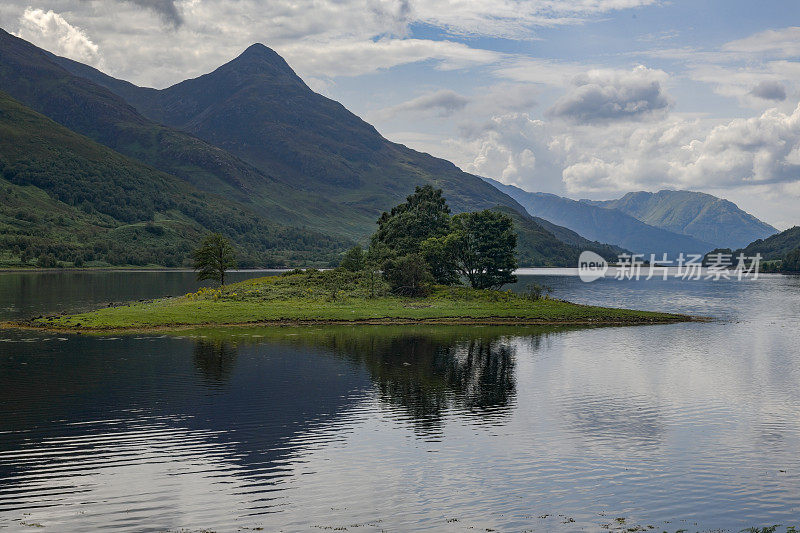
(340, 296)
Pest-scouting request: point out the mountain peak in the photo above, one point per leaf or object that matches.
(258, 50)
(259, 59)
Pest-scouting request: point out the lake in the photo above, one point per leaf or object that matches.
(691, 426)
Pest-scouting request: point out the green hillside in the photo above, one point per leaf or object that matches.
(68, 199)
(32, 76)
(775, 247)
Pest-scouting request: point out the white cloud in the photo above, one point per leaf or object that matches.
(322, 38)
(784, 42)
(513, 19)
(541, 71)
(608, 95)
(616, 157)
(51, 31)
(443, 102)
(352, 58)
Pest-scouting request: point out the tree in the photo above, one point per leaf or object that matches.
(214, 256)
(353, 259)
(483, 248)
(441, 260)
(424, 214)
(408, 275)
(791, 262)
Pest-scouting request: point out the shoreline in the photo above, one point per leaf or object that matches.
(36, 324)
(30, 325)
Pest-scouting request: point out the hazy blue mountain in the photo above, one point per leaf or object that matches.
(604, 225)
(698, 214)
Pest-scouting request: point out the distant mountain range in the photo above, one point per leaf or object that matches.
(605, 225)
(703, 216)
(665, 222)
(250, 146)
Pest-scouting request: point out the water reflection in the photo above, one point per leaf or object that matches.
(409, 428)
(425, 372)
(431, 373)
(215, 360)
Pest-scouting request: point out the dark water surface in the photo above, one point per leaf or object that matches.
(686, 426)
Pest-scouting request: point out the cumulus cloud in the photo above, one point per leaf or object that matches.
(513, 148)
(49, 30)
(609, 95)
(769, 90)
(443, 102)
(615, 157)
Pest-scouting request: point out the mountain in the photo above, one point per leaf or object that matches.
(67, 198)
(32, 76)
(252, 132)
(258, 109)
(775, 247)
(604, 225)
(700, 215)
(537, 246)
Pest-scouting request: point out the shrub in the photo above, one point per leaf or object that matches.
(409, 275)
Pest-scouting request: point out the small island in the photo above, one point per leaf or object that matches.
(340, 296)
(423, 265)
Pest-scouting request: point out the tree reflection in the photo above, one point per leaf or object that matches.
(421, 372)
(430, 372)
(215, 360)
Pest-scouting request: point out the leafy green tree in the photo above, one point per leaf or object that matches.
(483, 248)
(214, 256)
(408, 275)
(791, 262)
(441, 259)
(424, 214)
(353, 259)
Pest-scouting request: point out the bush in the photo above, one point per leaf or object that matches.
(409, 275)
(353, 259)
(536, 292)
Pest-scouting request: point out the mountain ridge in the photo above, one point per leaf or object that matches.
(701, 215)
(604, 225)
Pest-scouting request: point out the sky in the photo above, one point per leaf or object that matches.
(581, 98)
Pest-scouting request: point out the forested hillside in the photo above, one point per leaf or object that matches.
(68, 199)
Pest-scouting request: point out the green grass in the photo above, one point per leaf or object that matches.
(339, 296)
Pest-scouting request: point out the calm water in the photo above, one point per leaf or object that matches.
(686, 426)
